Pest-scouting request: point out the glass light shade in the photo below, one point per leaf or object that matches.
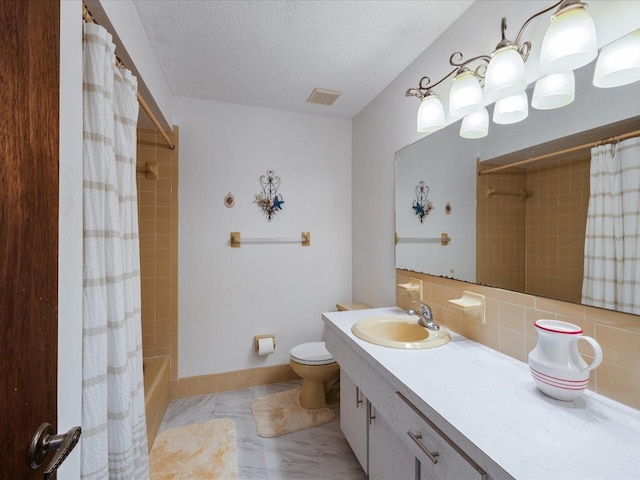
(465, 96)
(430, 114)
(569, 43)
(619, 62)
(554, 91)
(505, 74)
(475, 125)
(512, 109)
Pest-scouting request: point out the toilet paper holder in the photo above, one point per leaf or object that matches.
(258, 337)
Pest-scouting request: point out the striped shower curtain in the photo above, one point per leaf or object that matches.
(114, 439)
(612, 241)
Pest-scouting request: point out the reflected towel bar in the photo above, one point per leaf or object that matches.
(524, 194)
(304, 239)
(443, 239)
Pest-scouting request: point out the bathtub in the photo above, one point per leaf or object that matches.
(157, 392)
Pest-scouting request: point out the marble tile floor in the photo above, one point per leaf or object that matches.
(316, 453)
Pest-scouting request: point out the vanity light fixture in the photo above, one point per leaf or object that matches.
(570, 40)
(465, 96)
(569, 43)
(554, 91)
(475, 125)
(506, 74)
(430, 114)
(512, 109)
(619, 62)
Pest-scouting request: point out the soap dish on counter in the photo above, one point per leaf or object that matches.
(471, 302)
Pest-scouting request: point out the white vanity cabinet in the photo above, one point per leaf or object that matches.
(403, 443)
(354, 418)
(391, 437)
(376, 446)
(389, 458)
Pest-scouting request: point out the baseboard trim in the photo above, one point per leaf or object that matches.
(227, 381)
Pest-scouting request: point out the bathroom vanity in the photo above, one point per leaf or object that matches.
(464, 411)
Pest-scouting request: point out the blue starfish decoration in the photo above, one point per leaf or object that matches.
(277, 203)
(418, 208)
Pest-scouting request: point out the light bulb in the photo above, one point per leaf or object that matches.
(619, 62)
(430, 114)
(554, 91)
(475, 125)
(569, 42)
(506, 74)
(512, 109)
(465, 96)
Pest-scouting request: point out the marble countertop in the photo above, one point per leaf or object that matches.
(492, 400)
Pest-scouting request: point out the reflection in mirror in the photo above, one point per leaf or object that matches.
(532, 218)
(520, 228)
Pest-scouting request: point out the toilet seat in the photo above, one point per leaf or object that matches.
(313, 353)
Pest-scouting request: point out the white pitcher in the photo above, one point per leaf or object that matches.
(555, 363)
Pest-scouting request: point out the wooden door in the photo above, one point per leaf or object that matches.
(29, 119)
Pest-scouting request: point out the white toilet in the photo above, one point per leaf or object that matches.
(320, 375)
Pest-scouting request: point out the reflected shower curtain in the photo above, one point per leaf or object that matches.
(114, 438)
(612, 241)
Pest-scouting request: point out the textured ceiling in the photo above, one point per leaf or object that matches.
(273, 53)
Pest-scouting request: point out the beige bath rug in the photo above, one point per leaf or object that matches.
(281, 413)
(196, 452)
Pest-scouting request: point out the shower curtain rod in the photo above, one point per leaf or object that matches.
(615, 138)
(86, 16)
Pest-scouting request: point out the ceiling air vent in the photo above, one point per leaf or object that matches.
(322, 96)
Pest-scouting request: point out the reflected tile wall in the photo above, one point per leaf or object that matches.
(501, 229)
(556, 221)
(534, 245)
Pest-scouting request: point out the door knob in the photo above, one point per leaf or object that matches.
(44, 442)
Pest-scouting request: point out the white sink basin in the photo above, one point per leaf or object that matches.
(398, 331)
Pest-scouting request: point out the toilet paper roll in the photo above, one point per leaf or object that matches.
(265, 346)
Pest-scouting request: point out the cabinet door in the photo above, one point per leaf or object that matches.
(353, 418)
(389, 458)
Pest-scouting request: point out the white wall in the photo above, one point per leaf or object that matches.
(388, 124)
(70, 231)
(451, 182)
(228, 295)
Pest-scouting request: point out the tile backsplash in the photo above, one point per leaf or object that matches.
(509, 328)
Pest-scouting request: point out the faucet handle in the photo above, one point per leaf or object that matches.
(425, 308)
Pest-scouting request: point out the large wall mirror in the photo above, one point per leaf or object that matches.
(520, 228)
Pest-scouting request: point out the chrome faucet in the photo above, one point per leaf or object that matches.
(425, 316)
